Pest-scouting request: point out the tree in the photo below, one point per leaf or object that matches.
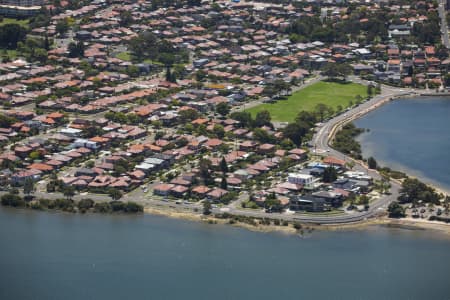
(269, 91)
(207, 207)
(85, 204)
(170, 77)
(76, 49)
(12, 200)
(244, 118)
(115, 194)
(46, 43)
(263, 118)
(133, 207)
(307, 117)
(329, 175)
(11, 34)
(223, 165)
(69, 192)
(396, 210)
(363, 199)
(323, 110)
(62, 26)
(296, 132)
(223, 183)
(414, 190)
(28, 187)
(223, 108)
(272, 204)
(370, 90)
(372, 163)
(40, 55)
(263, 136)
(205, 166)
(335, 70)
(219, 131)
(125, 18)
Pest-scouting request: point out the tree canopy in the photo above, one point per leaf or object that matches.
(414, 190)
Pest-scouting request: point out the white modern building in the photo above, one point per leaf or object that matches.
(303, 179)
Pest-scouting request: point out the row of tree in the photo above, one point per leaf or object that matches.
(13, 199)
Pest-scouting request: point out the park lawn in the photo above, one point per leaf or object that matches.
(23, 22)
(329, 93)
(124, 56)
(12, 54)
(127, 57)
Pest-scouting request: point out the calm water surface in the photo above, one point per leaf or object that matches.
(60, 256)
(412, 135)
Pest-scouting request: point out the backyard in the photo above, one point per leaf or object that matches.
(332, 94)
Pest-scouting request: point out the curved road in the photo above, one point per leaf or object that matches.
(320, 142)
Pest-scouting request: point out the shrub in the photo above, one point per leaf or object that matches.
(297, 225)
(102, 207)
(85, 204)
(117, 206)
(13, 200)
(36, 205)
(132, 207)
(64, 205)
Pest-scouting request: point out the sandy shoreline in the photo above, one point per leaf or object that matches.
(406, 223)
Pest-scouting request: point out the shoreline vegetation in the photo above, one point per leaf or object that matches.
(265, 225)
(69, 205)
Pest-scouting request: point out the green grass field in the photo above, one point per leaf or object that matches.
(124, 56)
(127, 57)
(329, 93)
(23, 22)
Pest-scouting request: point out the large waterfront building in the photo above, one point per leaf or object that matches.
(26, 3)
(20, 8)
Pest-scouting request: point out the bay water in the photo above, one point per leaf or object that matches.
(73, 256)
(411, 135)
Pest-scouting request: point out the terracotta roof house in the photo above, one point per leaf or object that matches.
(201, 191)
(216, 194)
(333, 161)
(41, 167)
(266, 148)
(163, 189)
(179, 190)
(213, 143)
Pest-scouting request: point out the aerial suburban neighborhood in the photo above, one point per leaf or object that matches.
(227, 107)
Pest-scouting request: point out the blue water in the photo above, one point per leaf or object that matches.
(64, 256)
(411, 135)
